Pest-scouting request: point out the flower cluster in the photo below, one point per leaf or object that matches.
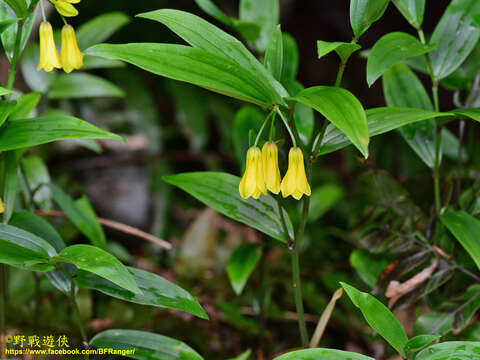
(262, 173)
(70, 57)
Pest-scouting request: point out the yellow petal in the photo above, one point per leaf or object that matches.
(295, 182)
(2, 208)
(72, 58)
(49, 58)
(271, 170)
(64, 8)
(253, 183)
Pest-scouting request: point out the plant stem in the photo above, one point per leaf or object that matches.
(16, 55)
(297, 287)
(78, 315)
(438, 147)
(3, 297)
(341, 69)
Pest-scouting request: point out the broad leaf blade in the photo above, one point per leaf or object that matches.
(343, 49)
(99, 262)
(241, 265)
(22, 133)
(145, 345)
(363, 13)
(274, 54)
(322, 354)
(412, 10)
(220, 191)
(379, 318)
(451, 350)
(100, 28)
(455, 35)
(83, 85)
(192, 65)
(391, 49)
(466, 230)
(156, 291)
(10, 188)
(342, 109)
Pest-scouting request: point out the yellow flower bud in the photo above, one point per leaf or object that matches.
(49, 58)
(253, 182)
(72, 58)
(295, 182)
(65, 8)
(2, 208)
(270, 167)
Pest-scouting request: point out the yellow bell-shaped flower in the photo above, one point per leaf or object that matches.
(270, 167)
(49, 58)
(65, 7)
(253, 182)
(2, 208)
(295, 182)
(72, 58)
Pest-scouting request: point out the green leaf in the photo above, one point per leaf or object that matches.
(8, 35)
(220, 192)
(83, 85)
(455, 35)
(19, 7)
(265, 13)
(380, 120)
(363, 13)
(342, 109)
(19, 247)
(23, 133)
(243, 261)
(303, 115)
(81, 214)
(368, 266)
(37, 175)
(100, 28)
(246, 119)
(391, 49)
(26, 105)
(451, 350)
(465, 228)
(473, 114)
(203, 35)
(156, 291)
(10, 188)
(4, 25)
(323, 198)
(379, 318)
(37, 80)
(243, 356)
(6, 108)
(98, 261)
(4, 91)
(192, 65)
(36, 225)
(274, 54)
(94, 62)
(454, 314)
(412, 10)
(146, 346)
(343, 49)
(322, 354)
(290, 58)
(402, 88)
(419, 342)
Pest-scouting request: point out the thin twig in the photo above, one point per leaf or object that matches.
(115, 225)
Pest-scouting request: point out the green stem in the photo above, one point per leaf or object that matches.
(76, 310)
(297, 288)
(16, 55)
(341, 70)
(3, 297)
(285, 122)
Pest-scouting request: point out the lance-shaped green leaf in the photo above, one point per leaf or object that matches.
(412, 10)
(473, 114)
(466, 230)
(274, 55)
(19, 7)
(322, 354)
(418, 343)
(380, 120)
(99, 262)
(10, 188)
(402, 88)
(265, 13)
(192, 65)
(82, 215)
(22, 133)
(26, 105)
(144, 345)
(19, 247)
(391, 49)
(100, 28)
(4, 25)
(454, 314)
(36, 174)
(343, 49)
(241, 265)
(290, 58)
(455, 35)
(220, 192)
(201, 34)
(6, 108)
(363, 13)
(451, 350)
(342, 109)
(379, 318)
(4, 91)
(82, 85)
(156, 291)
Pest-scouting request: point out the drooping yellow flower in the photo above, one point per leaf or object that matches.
(72, 58)
(295, 182)
(65, 7)
(49, 58)
(2, 208)
(253, 182)
(270, 167)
